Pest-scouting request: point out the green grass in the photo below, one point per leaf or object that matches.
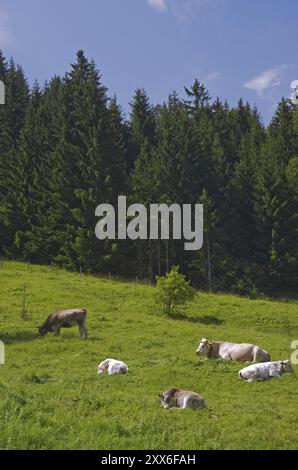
(52, 398)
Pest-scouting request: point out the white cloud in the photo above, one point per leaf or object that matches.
(159, 5)
(211, 76)
(187, 10)
(183, 10)
(5, 34)
(266, 80)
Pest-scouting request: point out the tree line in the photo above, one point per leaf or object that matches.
(67, 147)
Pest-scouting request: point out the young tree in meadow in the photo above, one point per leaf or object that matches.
(173, 290)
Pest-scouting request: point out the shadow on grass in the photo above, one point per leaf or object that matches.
(19, 336)
(205, 319)
(27, 336)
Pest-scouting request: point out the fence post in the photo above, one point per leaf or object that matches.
(2, 353)
(2, 93)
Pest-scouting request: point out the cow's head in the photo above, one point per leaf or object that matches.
(204, 347)
(102, 368)
(286, 366)
(168, 398)
(42, 330)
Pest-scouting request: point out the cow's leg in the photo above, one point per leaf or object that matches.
(56, 331)
(254, 378)
(274, 374)
(82, 329)
(185, 403)
(85, 330)
(225, 357)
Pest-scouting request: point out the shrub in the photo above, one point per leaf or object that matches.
(172, 290)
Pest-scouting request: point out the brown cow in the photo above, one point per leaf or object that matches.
(177, 398)
(65, 319)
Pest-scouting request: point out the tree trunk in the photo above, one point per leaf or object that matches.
(209, 265)
(167, 255)
(158, 255)
(150, 263)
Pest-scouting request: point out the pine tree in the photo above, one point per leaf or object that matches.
(199, 97)
(277, 220)
(142, 122)
(12, 116)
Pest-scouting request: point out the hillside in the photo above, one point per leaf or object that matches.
(52, 398)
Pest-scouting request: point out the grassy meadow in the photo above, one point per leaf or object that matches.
(52, 398)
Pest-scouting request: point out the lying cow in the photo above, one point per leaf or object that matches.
(177, 398)
(112, 366)
(65, 319)
(243, 352)
(265, 370)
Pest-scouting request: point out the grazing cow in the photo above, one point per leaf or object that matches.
(65, 319)
(177, 398)
(265, 370)
(243, 352)
(112, 366)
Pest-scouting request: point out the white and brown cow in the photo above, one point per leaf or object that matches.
(65, 319)
(242, 352)
(112, 366)
(177, 398)
(265, 370)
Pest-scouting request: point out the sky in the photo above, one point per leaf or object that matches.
(238, 48)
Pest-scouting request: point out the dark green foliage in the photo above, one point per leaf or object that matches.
(66, 147)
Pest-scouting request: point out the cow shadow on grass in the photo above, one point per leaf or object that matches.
(18, 336)
(205, 319)
(27, 336)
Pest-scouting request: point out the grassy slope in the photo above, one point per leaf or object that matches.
(51, 396)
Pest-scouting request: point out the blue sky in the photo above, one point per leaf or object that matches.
(238, 48)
